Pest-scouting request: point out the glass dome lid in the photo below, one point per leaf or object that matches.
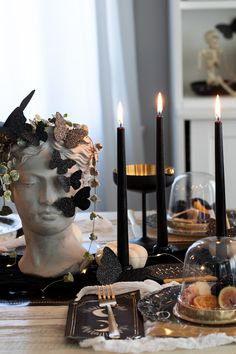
(191, 203)
(208, 293)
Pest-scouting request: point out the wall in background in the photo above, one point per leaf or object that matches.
(151, 27)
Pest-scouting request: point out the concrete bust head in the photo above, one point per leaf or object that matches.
(53, 165)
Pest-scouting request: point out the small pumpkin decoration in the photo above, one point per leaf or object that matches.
(137, 254)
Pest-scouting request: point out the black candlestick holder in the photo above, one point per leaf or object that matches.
(141, 178)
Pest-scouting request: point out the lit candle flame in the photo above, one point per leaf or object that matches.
(217, 108)
(120, 114)
(159, 103)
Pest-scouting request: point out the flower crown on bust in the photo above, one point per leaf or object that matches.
(17, 132)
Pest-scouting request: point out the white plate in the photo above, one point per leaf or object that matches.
(9, 223)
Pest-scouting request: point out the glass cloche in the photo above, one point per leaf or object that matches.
(191, 203)
(208, 293)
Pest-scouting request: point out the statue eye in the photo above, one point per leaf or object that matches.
(28, 181)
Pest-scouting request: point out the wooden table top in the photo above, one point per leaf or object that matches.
(40, 329)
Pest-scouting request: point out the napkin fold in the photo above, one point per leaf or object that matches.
(149, 343)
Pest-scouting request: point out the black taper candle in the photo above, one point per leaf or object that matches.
(162, 235)
(221, 229)
(122, 218)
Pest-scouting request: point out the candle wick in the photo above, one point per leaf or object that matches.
(217, 118)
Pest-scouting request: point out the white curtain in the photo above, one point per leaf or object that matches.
(79, 55)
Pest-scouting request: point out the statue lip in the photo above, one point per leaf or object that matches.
(50, 214)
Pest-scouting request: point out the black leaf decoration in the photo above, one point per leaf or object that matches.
(61, 165)
(81, 200)
(110, 269)
(66, 205)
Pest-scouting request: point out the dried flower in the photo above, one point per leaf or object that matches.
(94, 183)
(93, 237)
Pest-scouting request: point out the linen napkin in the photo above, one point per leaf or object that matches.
(149, 343)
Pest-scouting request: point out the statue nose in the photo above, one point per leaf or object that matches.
(48, 194)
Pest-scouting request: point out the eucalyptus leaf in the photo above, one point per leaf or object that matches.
(6, 179)
(9, 164)
(7, 195)
(68, 278)
(3, 169)
(14, 174)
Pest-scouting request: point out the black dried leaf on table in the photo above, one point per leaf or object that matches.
(61, 165)
(110, 269)
(66, 205)
(81, 198)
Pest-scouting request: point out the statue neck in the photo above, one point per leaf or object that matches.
(54, 254)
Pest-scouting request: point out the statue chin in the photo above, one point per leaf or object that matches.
(54, 256)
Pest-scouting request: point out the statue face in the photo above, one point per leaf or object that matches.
(34, 194)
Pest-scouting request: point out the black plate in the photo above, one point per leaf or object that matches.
(158, 306)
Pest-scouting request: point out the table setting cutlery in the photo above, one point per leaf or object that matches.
(107, 298)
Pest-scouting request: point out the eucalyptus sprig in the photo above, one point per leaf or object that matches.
(8, 175)
(94, 183)
(67, 278)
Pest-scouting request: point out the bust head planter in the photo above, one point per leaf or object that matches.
(48, 169)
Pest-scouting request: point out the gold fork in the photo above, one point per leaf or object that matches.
(106, 298)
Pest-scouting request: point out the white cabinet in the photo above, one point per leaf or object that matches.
(188, 22)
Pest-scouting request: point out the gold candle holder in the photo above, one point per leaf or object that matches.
(141, 178)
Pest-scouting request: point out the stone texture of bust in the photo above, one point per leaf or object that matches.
(53, 241)
(53, 168)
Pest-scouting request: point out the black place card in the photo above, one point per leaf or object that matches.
(85, 319)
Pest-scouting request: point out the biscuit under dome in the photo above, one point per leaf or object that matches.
(208, 294)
